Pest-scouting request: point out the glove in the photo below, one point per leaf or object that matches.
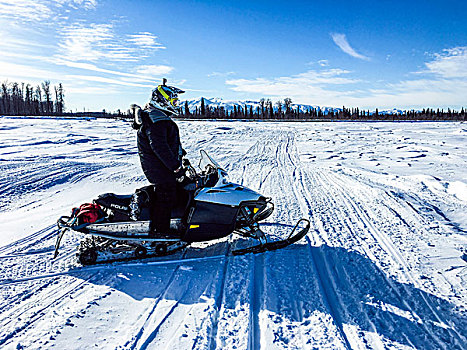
(136, 112)
(179, 174)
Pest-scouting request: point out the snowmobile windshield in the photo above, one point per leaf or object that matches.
(207, 163)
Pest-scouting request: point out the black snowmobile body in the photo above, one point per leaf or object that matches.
(209, 207)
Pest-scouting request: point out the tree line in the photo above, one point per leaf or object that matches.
(25, 99)
(284, 110)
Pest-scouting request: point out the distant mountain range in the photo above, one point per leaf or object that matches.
(229, 106)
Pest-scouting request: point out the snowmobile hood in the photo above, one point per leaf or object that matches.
(229, 194)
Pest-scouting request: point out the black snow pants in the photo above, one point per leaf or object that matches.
(164, 198)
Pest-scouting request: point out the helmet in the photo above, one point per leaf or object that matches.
(166, 98)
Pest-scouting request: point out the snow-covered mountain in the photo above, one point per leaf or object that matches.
(391, 111)
(228, 105)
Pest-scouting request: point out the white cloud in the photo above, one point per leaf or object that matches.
(151, 71)
(418, 93)
(310, 87)
(444, 84)
(341, 41)
(89, 43)
(451, 63)
(35, 75)
(111, 81)
(220, 74)
(145, 40)
(87, 4)
(142, 74)
(39, 10)
(94, 42)
(45, 39)
(15, 71)
(92, 90)
(323, 63)
(26, 9)
(300, 84)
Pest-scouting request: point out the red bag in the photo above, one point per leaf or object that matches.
(87, 213)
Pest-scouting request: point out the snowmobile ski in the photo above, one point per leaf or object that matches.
(268, 246)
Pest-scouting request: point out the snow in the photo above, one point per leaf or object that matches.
(382, 265)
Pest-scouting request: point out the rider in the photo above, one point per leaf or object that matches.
(160, 153)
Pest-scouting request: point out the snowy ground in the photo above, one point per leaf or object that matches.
(384, 265)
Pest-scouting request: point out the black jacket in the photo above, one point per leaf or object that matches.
(159, 148)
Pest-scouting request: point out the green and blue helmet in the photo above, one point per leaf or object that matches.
(166, 97)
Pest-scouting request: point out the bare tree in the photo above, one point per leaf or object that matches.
(38, 100)
(261, 102)
(28, 109)
(15, 99)
(287, 104)
(279, 109)
(47, 96)
(271, 110)
(5, 99)
(59, 99)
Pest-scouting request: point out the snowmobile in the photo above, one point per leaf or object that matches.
(209, 207)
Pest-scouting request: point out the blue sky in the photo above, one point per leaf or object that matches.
(364, 54)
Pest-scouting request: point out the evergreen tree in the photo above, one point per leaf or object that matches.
(187, 110)
(203, 108)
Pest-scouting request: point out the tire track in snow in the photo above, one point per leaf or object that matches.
(329, 294)
(351, 220)
(205, 321)
(328, 290)
(385, 243)
(218, 302)
(282, 179)
(27, 265)
(140, 334)
(29, 241)
(256, 292)
(318, 257)
(257, 271)
(338, 227)
(164, 328)
(29, 178)
(338, 201)
(14, 316)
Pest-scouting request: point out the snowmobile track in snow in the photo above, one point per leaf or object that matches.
(114, 266)
(288, 159)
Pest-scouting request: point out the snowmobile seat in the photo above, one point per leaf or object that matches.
(119, 205)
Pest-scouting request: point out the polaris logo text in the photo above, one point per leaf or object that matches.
(116, 206)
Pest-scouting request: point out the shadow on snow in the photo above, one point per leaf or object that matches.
(296, 282)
